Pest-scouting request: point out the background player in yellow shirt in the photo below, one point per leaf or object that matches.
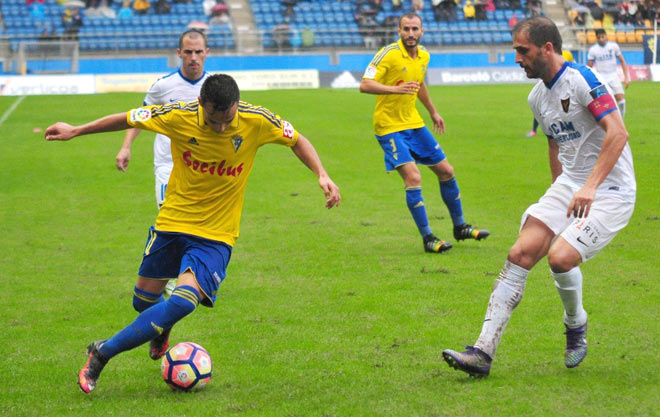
(396, 74)
(214, 143)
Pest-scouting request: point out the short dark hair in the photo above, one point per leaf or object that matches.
(410, 15)
(540, 30)
(219, 91)
(193, 33)
(600, 31)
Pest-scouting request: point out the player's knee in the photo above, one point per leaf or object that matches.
(142, 300)
(562, 261)
(413, 179)
(519, 256)
(446, 173)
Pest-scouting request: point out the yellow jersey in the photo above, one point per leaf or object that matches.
(206, 190)
(393, 66)
(568, 55)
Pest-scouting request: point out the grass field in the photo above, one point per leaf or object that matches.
(323, 313)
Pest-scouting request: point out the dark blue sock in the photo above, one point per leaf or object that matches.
(418, 210)
(153, 321)
(535, 125)
(142, 300)
(451, 195)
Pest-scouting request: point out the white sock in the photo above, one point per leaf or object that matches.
(569, 286)
(622, 107)
(507, 293)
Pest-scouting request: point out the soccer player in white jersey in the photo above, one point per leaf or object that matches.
(591, 197)
(182, 85)
(602, 56)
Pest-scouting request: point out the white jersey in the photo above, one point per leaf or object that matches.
(605, 58)
(168, 89)
(568, 109)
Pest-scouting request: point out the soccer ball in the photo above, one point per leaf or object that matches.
(186, 367)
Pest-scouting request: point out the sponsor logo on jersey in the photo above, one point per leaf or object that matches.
(236, 140)
(212, 168)
(193, 141)
(565, 103)
(564, 131)
(287, 129)
(140, 115)
(370, 72)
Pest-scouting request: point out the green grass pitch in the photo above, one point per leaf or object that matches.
(324, 312)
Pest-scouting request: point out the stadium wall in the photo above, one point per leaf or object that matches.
(274, 72)
(321, 62)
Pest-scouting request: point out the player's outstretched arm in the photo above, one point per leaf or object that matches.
(124, 154)
(65, 131)
(374, 87)
(305, 151)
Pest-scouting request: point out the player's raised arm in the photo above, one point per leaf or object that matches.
(65, 131)
(305, 151)
(374, 87)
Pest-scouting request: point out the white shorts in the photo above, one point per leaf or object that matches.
(588, 235)
(162, 178)
(615, 85)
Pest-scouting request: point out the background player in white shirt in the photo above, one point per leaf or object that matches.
(182, 85)
(602, 56)
(591, 197)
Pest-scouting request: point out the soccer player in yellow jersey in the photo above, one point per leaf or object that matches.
(396, 75)
(214, 143)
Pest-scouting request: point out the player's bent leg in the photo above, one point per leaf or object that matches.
(532, 244)
(564, 260)
(159, 345)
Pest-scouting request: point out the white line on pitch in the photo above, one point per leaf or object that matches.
(11, 109)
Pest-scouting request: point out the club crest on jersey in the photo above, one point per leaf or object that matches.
(287, 129)
(140, 115)
(236, 140)
(564, 104)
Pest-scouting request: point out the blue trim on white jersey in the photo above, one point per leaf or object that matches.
(557, 75)
(586, 73)
(193, 82)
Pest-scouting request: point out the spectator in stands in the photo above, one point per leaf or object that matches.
(513, 21)
(417, 5)
(437, 10)
(468, 10)
(220, 15)
(71, 20)
(281, 34)
(126, 11)
(535, 8)
(396, 5)
(307, 36)
(288, 12)
(480, 10)
(163, 7)
(141, 6)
